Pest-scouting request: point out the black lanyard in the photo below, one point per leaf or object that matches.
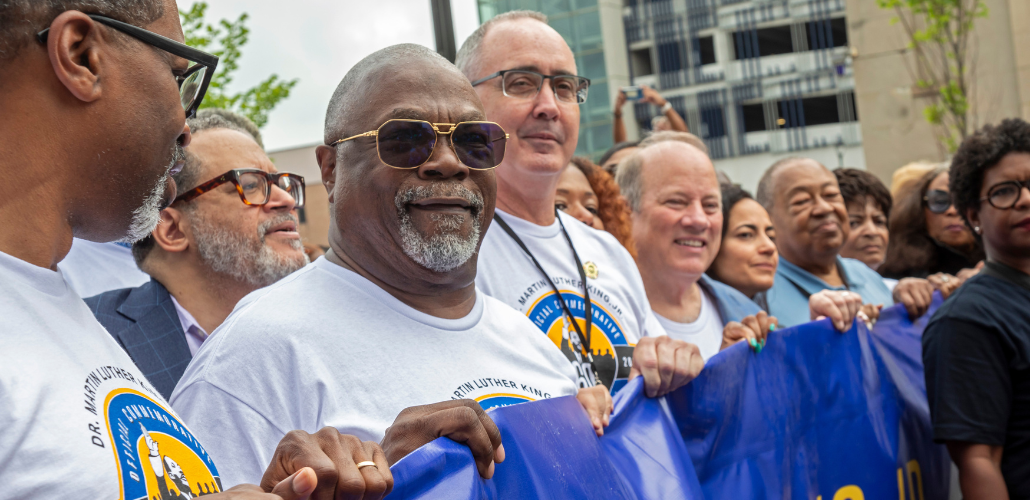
(583, 339)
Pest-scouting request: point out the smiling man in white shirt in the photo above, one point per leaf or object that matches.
(547, 265)
(391, 317)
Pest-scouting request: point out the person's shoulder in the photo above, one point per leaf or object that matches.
(108, 301)
(580, 232)
(984, 299)
(855, 267)
(730, 298)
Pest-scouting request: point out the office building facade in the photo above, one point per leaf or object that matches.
(758, 80)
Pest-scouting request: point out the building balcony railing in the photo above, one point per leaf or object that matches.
(801, 62)
(802, 138)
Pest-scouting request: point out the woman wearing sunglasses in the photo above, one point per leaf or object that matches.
(976, 347)
(928, 238)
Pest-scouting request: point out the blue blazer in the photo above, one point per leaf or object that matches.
(144, 322)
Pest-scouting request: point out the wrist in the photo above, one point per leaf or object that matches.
(666, 107)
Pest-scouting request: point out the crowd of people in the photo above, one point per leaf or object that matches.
(473, 263)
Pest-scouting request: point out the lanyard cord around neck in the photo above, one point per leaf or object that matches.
(583, 339)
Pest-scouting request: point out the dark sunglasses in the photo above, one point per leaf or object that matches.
(409, 144)
(253, 185)
(193, 83)
(937, 201)
(1005, 195)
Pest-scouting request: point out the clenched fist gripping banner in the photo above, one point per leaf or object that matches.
(818, 414)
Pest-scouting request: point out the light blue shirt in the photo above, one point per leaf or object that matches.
(788, 297)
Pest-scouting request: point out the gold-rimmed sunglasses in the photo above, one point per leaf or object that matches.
(408, 144)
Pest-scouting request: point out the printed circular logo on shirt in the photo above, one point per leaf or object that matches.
(501, 400)
(613, 355)
(158, 458)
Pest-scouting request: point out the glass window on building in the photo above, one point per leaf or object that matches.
(706, 50)
(763, 42)
(754, 117)
(827, 33)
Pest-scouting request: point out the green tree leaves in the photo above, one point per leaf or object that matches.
(939, 34)
(226, 39)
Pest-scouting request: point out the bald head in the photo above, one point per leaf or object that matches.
(767, 184)
(666, 154)
(364, 83)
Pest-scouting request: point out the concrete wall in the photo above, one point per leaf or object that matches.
(894, 130)
(301, 160)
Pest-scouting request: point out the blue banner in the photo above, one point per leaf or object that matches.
(816, 415)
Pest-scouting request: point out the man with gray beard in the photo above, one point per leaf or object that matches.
(209, 251)
(391, 317)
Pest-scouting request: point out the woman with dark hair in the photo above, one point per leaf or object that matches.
(591, 195)
(927, 234)
(747, 261)
(869, 207)
(976, 347)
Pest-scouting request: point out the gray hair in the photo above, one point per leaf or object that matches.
(467, 59)
(629, 174)
(765, 194)
(672, 135)
(20, 20)
(188, 177)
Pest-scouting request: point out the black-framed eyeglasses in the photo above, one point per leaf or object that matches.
(526, 84)
(193, 83)
(937, 200)
(1005, 195)
(253, 185)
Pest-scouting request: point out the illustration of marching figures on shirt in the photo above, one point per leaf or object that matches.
(158, 457)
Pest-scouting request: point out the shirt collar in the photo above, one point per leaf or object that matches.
(808, 281)
(190, 326)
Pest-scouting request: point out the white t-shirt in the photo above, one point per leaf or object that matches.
(619, 306)
(94, 268)
(327, 347)
(705, 332)
(75, 410)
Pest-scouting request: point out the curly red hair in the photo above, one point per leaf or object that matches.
(611, 206)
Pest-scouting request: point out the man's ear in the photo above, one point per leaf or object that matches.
(169, 234)
(326, 156)
(76, 48)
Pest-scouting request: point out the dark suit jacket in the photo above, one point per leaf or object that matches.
(144, 322)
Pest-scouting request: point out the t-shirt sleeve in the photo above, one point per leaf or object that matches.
(240, 439)
(968, 382)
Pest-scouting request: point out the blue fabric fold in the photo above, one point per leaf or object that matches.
(551, 451)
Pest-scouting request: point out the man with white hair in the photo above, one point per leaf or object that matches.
(231, 230)
(578, 285)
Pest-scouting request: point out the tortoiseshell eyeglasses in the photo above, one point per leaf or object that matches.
(253, 185)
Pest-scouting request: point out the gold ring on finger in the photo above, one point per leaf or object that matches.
(367, 463)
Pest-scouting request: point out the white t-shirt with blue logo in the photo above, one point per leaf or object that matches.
(77, 418)
(327, 347)
(619, 307)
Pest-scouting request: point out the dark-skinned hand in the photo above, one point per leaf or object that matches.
(333, 457)
(754, 329)
(597, 401)
(666, 364)
(295, 487)
(463, 421)
(944, 283)
(916, 294)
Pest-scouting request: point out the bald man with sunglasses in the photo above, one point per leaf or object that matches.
(386, 337)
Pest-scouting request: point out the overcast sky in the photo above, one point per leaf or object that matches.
(317, 41)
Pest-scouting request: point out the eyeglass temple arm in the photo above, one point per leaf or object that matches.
(366, 134)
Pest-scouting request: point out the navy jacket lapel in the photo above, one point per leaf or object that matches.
(156, 341)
